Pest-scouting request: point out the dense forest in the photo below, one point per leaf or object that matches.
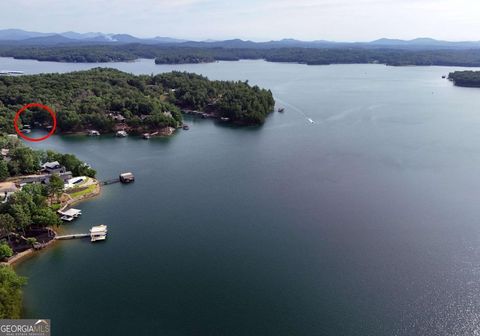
(465, 78)
(106, 99)
(199, 54)
(10, 293)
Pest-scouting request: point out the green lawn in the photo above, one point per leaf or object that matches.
(88, 190)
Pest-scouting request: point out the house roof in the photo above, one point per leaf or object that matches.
(71, 212)
(52, 165)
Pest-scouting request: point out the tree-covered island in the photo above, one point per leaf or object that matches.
(465, 78)
(204, 53)
(109, 100)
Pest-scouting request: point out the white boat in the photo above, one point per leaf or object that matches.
(311, 121)
(93, 133)
(26, 131)
(121, 134)
(67, 218)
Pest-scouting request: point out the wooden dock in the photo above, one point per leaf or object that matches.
(112, 181)
(73, 236)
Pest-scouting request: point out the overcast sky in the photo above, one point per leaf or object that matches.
(340, 20)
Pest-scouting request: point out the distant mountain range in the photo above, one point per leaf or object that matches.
(18, 36)
(22, 37)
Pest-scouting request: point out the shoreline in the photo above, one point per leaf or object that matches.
(31, 252)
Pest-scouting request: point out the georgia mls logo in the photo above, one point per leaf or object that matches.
(24, 327)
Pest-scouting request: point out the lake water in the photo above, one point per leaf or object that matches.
(365, 222)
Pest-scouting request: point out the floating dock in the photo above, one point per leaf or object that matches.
(97, 233)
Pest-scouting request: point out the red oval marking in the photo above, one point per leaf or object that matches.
(43, 107)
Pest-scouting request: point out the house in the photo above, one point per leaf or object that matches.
(119, 118)
(53, 168)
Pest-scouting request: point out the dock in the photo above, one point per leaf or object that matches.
(97, 233)
(124, 178)
(73, 236)
(111, 181)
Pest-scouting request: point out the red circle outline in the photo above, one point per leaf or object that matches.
(43, 107)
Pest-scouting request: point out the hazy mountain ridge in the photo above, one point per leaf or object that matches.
(22, 37)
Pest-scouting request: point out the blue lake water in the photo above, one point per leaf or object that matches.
(365, 222)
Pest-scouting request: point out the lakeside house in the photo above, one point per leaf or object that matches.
(53, 168)
(117, 117)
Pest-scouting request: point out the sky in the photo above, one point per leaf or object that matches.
(259, 20)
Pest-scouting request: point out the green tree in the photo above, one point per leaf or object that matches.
(10, 293)
(55, 186)
(5, 251)
(7, 224)
(27, 160)
(3, 170)
(46, 217)
(21, 215)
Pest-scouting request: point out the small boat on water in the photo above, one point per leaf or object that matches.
(26, 131)
(186, 127)
(281, 109)
(444, 76)
(146, 136)
(93, 133)
(121, 134)
(311, 121)
(224, 119)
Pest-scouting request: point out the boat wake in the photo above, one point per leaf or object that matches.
(293, 107)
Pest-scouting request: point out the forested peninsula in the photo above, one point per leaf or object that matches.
(108, 100)
(465, 78)
(171, 54)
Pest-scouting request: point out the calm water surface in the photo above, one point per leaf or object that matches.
(366, 222)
